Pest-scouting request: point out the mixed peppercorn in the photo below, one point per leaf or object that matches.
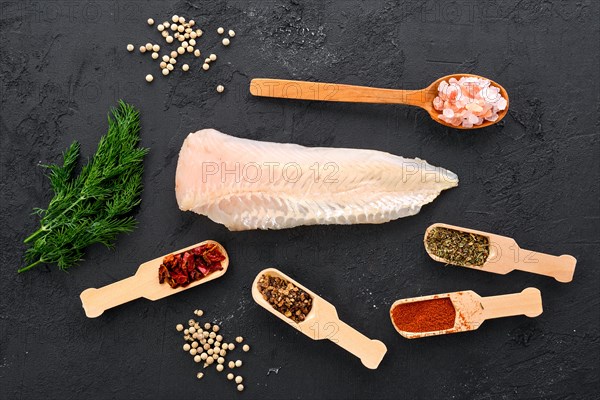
(285, 297)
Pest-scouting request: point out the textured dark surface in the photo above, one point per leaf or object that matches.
(535, 177)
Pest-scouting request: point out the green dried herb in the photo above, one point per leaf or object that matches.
(457, 247)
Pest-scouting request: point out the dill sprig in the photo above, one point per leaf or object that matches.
(92, 207)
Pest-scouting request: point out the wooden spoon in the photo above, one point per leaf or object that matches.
(506, 256)
(322, 322)
(472, 309)
(302, 90)
(143, 284)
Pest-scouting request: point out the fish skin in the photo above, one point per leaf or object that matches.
(248, 184)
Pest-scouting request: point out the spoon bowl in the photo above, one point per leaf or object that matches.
(430, 93)
(336, 92)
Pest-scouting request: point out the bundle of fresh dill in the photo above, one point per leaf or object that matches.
(92, 207)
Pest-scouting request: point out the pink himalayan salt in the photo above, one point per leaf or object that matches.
(468, 101)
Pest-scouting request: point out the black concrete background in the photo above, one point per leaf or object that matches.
(533, 177)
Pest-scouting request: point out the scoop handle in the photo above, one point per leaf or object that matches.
(370, 351)
(528, 302)
(96, 301)
(302, 90)
(560, 268)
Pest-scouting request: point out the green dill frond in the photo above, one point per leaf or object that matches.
(93, 206)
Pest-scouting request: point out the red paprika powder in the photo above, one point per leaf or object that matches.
(424, 316)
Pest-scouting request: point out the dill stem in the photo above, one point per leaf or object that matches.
(30, 266)
(35, 234)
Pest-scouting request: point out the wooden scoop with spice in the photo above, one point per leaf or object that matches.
(312, 315)
(161, 277)
(492, 253)
(462, 101)
(441, 314)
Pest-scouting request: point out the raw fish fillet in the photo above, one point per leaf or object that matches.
(247, 184)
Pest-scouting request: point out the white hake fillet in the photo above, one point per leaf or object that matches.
(247, 184)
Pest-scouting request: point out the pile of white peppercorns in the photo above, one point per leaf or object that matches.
(205, 345)
(186, 34)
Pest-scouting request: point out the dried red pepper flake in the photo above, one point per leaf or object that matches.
(179, 270)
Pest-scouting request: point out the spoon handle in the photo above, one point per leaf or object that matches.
(369, 351)
(560, 268)
(302, 90)
(528, 302)
(96, 301)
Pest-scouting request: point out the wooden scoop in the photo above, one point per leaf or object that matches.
(472, 309)
(143, 284)
(302, 90)
(322, 322)
(506, 256)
